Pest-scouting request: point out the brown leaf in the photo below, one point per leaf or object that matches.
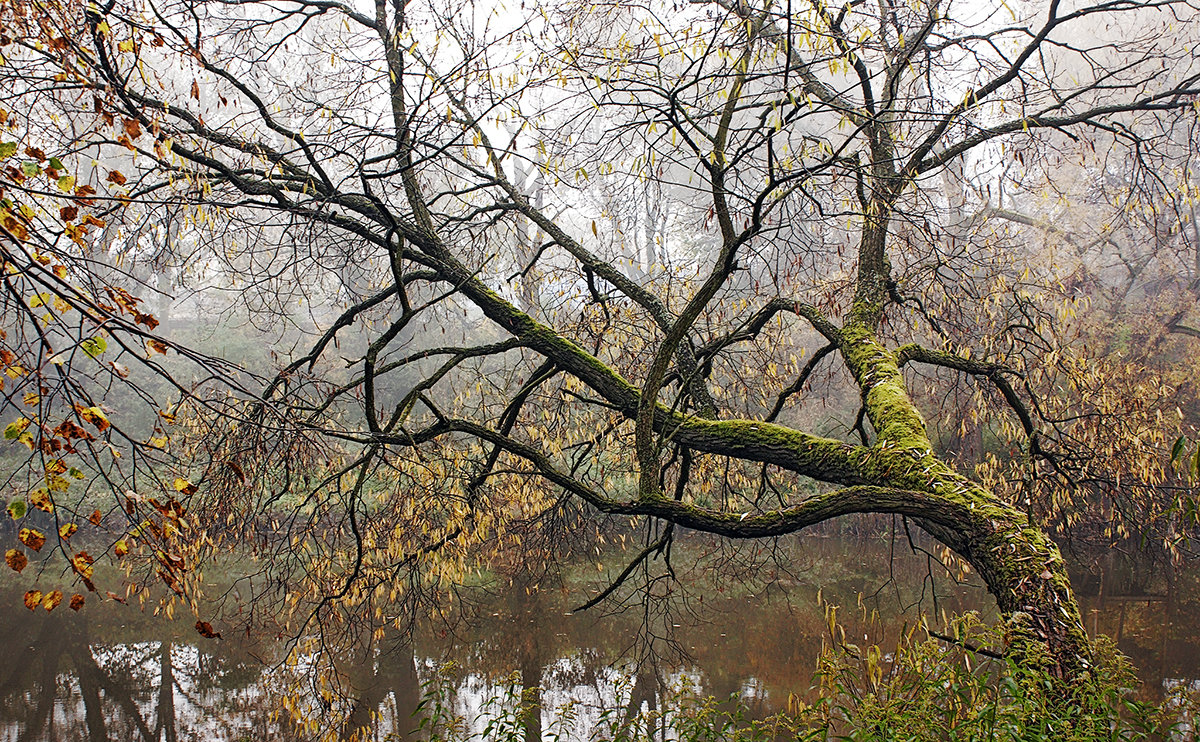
(16, 559)
(33, 599)
(132, 128)
(170, 581)
(32, 538)
(195, 89)
(116, 176)
(67, 530)
(83, 192)
(114, 596)
(68, 213)
(157, 346)
(70, 429)
(172, 509)
(77, 601)
(52, 599)
(205, 629)
(96, 517)
(237, 470)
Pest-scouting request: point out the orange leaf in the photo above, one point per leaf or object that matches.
(115, 176)
(33, 599)
(96, 517)
(77, 601)
(205, 630)
(67, 530)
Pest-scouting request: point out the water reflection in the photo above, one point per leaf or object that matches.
(112, 673)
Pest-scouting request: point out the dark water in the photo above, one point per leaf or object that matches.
(114, 673)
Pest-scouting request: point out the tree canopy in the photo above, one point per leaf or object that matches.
(716, 265)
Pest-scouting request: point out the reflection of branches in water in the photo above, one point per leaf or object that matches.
(47, 691)
(89, 690)
(85, 662)
(164, 725)
(391, 671)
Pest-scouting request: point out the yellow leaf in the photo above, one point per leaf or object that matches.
(82, 563)
(52, 599)
(41, 500)
(95, 416)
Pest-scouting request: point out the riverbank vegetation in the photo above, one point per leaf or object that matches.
(924, 691)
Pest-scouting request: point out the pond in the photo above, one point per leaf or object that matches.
(112, 672)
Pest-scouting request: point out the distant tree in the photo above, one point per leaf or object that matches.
(599, 254)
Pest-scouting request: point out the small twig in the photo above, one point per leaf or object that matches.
(964, 644)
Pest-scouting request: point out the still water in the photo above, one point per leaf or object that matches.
(112, 672)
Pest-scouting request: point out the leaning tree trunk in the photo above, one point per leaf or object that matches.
(1020, 564)
(1024, 570)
